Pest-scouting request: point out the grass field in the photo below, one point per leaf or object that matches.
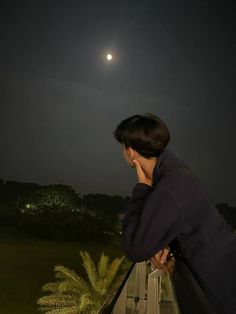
(27, 264)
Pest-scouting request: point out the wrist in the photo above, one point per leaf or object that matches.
(141, 188)
(147, 182)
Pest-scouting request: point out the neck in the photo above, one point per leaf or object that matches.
(148, 166)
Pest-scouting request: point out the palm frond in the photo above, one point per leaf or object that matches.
(91, 270)
(65, 273)
(102, 265)
(56, 301)
(70, 287)
(51, 287)
(85, 301)
(71, 294)
(65, 310)
(113, 270)
(92, 303)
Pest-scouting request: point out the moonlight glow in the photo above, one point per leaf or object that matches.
(109, 57)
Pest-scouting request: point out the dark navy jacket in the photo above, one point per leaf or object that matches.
(178, 209)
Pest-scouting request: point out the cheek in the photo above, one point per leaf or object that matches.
(125, 155)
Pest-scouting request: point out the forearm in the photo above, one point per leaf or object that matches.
(133, 212)
(150, 222)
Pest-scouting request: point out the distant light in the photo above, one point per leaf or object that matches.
(109, 57)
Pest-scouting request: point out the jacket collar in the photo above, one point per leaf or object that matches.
(157, 171)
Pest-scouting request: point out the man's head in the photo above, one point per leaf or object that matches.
(142, 136)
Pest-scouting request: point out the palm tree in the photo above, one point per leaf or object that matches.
(71, 294)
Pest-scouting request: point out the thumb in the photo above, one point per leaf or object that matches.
(137, 164)
(138, 168)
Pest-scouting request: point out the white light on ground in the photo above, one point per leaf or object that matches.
(109, 57)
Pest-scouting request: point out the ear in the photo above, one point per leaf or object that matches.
(131, 152)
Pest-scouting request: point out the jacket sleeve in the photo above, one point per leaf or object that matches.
(151, 221)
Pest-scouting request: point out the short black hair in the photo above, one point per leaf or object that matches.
(147, 134)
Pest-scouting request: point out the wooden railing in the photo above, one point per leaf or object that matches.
(143, 291)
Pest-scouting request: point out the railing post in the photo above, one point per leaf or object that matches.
(141, 293)
(154, 292)
(140, 287)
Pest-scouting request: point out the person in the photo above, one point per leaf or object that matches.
(171, 211)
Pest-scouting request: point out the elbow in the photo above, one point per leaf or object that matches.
(135, 254)
(136, 248)
(138, 251)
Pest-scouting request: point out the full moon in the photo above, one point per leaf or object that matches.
(109, 57)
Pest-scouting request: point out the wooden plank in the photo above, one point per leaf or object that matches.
(139, 307)
(140, 280)
(121, 304)
(140, 287)
(153, 292)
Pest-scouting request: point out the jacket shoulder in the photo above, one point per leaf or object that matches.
(183, 185)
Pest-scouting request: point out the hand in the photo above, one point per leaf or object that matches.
(140, 173)
(160, 260)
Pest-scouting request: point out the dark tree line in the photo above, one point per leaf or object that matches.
(58, 212)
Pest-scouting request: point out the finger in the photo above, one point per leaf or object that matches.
(156, 262)
(155, 265)
(157, 255)
(139, 169)
(170, 266)
(164, 255)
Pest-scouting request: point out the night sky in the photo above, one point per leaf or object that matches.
(61, 99)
